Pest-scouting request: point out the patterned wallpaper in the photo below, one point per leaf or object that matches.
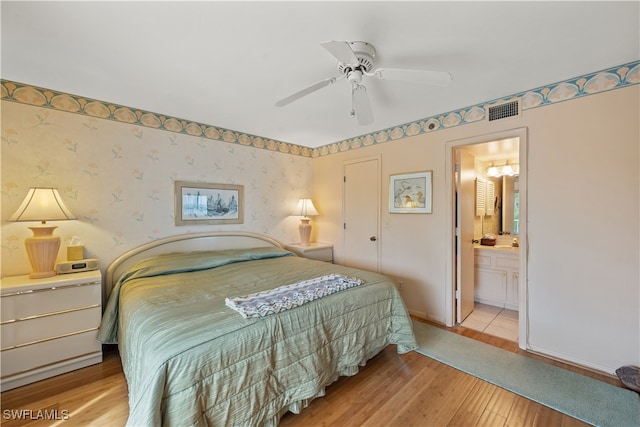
(115, 165)
(118, 179)
(588, 84)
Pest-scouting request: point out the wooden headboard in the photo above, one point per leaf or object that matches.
(184, 243)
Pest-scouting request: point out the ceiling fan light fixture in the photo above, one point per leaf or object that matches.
(364, 54)
(354, 77)
(355, 60)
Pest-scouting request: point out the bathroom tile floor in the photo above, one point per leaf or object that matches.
(491, 320)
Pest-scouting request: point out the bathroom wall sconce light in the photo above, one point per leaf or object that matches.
(505, 170)
(508, 170)
(493, 171)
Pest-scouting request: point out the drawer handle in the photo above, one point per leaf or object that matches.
(53, 313)
(50, 339)
(52, 288)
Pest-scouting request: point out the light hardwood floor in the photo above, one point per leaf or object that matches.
(391, 390)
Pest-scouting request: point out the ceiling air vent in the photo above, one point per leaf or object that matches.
(503, 110)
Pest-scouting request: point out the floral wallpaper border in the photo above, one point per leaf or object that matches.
(588, 84)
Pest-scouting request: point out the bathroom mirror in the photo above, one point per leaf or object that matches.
(510, 206)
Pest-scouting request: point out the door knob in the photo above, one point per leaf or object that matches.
(373, 238)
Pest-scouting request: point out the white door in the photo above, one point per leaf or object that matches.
(361, 203)
(465, 191)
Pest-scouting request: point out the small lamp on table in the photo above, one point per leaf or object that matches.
(42, 204)
(305, 209)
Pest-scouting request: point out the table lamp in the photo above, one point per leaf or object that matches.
(305, 209)
(42, 204)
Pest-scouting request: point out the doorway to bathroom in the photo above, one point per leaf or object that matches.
(486, 191)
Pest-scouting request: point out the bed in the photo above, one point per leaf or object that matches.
(191, 357)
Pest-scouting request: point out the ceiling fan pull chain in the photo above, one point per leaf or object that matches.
(352, 114)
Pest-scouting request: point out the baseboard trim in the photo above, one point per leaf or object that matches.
(563, 358)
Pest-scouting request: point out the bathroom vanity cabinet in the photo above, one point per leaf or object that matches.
(496, 276)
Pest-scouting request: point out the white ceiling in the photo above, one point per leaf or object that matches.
(227, 63)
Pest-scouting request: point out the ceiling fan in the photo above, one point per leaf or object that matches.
(355, 60)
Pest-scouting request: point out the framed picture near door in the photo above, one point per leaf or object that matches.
(410, 192)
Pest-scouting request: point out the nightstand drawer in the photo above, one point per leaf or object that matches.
(36, 329)
(43, 301)
(316, 251)
(33, 356)
(325, 254)
(48, 326)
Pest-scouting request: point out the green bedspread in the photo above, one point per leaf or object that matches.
(191, 360)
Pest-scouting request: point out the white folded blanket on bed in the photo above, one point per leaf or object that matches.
(285, 297)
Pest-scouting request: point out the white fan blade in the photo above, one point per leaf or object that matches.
(342, 51)
(436, 78)
(362, 105)
(306, 91)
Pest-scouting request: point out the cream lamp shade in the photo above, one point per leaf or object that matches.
(305, 209)
(42, 204)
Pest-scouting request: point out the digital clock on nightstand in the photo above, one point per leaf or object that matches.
(77, 266)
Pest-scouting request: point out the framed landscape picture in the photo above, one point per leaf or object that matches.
(203, 203)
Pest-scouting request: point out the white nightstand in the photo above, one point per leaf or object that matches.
(317, 251)
(49, 326)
